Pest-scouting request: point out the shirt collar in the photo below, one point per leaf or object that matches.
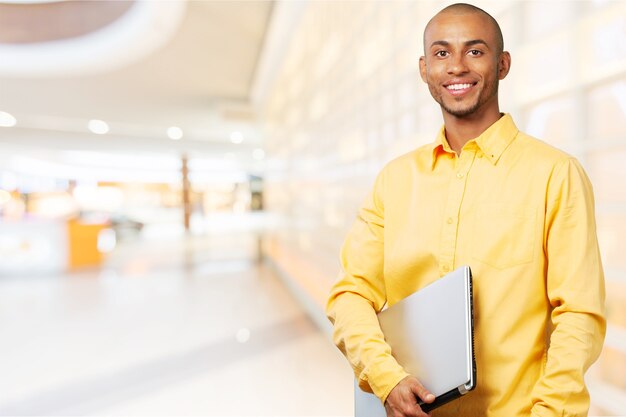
(492, 142)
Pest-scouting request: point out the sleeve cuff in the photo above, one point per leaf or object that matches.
(385, 380)
(391, 386)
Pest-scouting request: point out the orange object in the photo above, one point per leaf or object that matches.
(83, 244)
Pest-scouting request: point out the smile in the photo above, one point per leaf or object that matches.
(458, 86)
(459, 89)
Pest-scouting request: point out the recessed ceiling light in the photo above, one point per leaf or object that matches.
(236, 137)
(7, 119)
(258, 154)
(174, 132)
(98, 127)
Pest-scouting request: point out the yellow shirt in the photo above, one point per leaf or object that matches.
(521, 214)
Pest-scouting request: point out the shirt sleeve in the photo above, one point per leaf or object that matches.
(575, 289)
(359, 294)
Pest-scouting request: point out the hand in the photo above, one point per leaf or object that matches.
(402, 400)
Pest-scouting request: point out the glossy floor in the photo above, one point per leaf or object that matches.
(176, 326)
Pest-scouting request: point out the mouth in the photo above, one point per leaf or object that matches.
(457, 89)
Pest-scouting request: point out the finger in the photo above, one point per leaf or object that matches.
(404, 408)
(419, 390)
(403, 404)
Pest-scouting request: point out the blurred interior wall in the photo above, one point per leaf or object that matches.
(348, 98)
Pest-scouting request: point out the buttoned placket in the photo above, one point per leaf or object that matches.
(456, 192)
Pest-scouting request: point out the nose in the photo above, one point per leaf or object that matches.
(457, 64)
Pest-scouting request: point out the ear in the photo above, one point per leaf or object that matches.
(423, 69)
(504, 65)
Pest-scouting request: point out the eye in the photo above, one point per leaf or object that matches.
(441, 54)
(475, 52)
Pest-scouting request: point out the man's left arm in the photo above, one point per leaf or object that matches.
(575, 289)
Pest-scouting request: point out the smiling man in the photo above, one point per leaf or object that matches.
(484, 194)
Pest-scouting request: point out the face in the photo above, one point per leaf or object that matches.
(462, 64)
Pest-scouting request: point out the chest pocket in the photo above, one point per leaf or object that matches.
(504, 236)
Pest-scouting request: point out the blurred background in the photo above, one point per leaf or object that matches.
(177, 177)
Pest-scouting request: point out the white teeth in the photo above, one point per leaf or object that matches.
(458, 86)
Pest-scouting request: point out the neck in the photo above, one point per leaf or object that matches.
(460, 130)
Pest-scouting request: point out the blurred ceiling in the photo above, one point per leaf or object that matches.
(31, 23)
(141, 66)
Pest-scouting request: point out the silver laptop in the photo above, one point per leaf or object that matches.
(431, 336)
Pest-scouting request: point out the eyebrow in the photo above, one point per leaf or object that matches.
(467, 43)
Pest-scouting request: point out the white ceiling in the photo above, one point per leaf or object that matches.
(193, 64)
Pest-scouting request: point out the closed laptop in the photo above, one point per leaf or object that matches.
(431, 336)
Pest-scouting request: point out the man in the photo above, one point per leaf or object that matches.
(518, 211)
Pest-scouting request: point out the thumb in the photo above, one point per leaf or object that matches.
(419, 390)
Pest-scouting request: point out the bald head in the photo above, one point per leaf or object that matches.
(462, 9)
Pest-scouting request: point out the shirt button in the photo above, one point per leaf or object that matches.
(449, 221)
(445, 268)
(480, 155)
(460, 175)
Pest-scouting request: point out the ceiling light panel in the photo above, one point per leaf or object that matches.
(175, 133)
(99, 127)
(7, 119)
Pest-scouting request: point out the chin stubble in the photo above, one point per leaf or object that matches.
(470, 110)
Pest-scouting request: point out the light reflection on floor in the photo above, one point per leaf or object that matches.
(180, 326)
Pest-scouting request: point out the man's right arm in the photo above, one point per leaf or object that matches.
(354, 301)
